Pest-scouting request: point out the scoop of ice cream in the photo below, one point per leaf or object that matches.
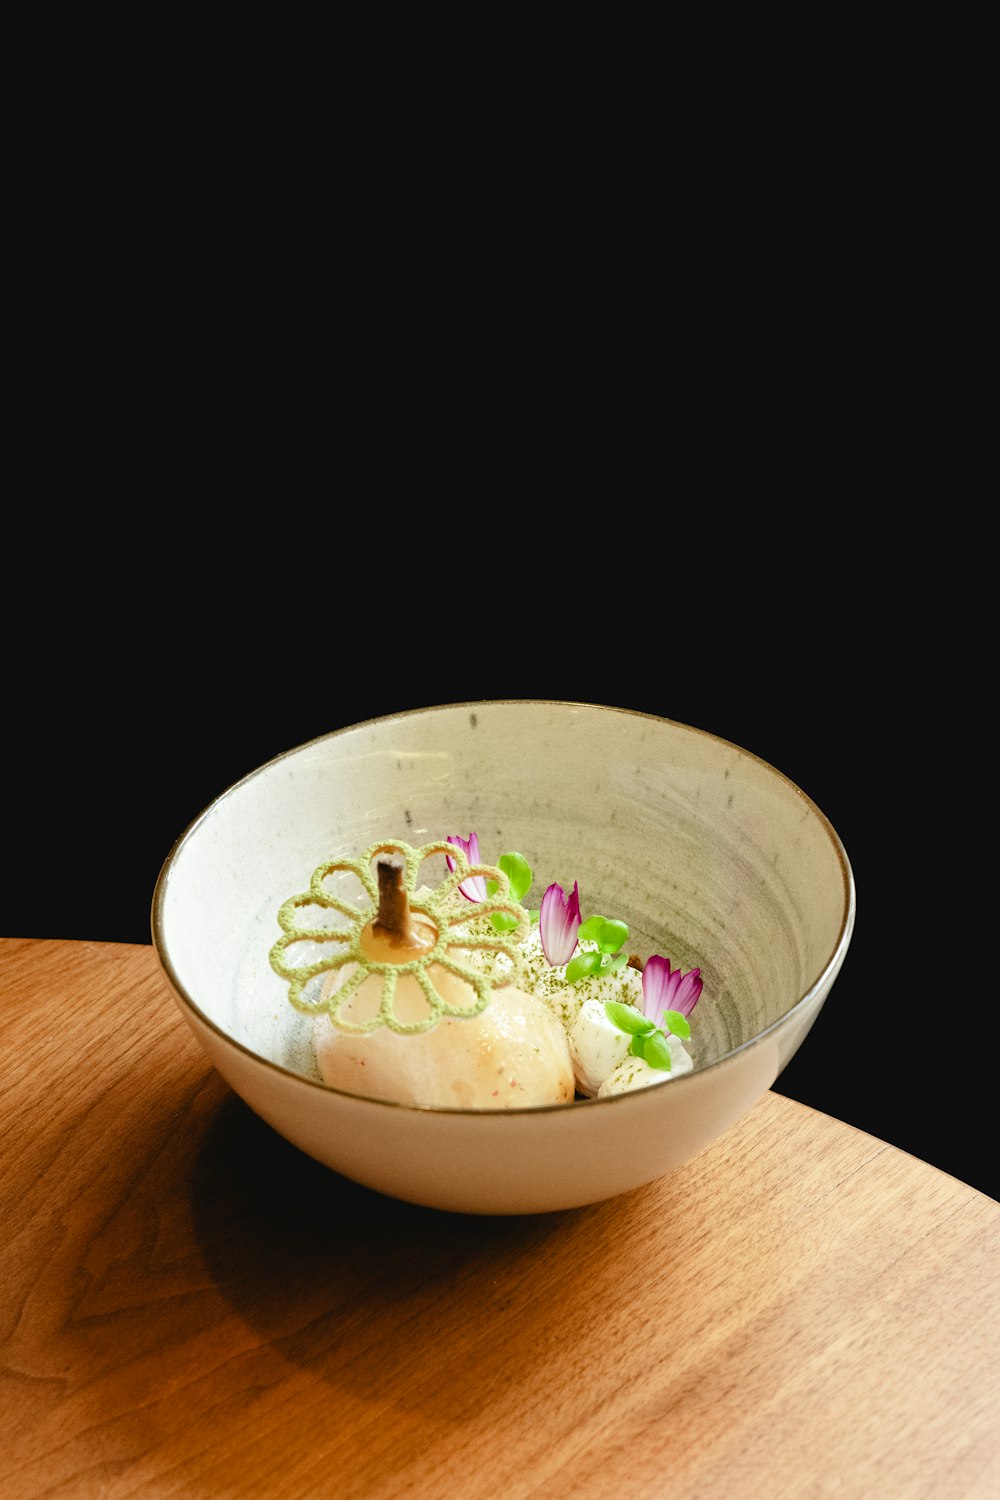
(636, 1073)
(513, 1055)
(596, 1046)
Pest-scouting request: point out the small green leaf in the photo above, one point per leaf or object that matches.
(638, 1046)
(535, 917)
(657, 1053)
(613, 934)
(611, 965)
(517, 871)
(607, 932)
(677, 1023)
(627, 1018)
(503, 921)
(492, 887)
(582, 965)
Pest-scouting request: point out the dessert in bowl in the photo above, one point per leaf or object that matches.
(712, 861)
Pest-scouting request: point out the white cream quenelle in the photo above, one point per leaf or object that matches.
(512, 1055)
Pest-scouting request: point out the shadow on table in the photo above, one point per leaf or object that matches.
(417, 1307)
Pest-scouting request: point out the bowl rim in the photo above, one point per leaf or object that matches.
(161, 949)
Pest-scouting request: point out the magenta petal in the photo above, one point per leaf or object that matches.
(655, 986)
(688, 992)
(664, 988)
(469, 847)
(473, 889)
(558, 923)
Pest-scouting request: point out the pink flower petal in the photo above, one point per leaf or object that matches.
(664, 988)
(655, 986)
(473, 889)
(688, 992)
(558, 923)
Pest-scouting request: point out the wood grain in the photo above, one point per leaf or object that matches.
(192, 1308)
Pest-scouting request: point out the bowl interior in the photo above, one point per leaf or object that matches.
(713, 857)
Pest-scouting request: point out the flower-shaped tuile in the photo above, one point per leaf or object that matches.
(435, 906)
(666, 989)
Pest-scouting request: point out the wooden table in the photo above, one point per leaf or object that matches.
(191, 1307)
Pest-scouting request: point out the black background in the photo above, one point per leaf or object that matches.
(734, 480)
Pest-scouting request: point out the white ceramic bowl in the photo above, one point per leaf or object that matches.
(712, 856)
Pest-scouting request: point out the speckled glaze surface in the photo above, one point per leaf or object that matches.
(713, 857)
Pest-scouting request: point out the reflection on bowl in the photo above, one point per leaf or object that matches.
(711, 856)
